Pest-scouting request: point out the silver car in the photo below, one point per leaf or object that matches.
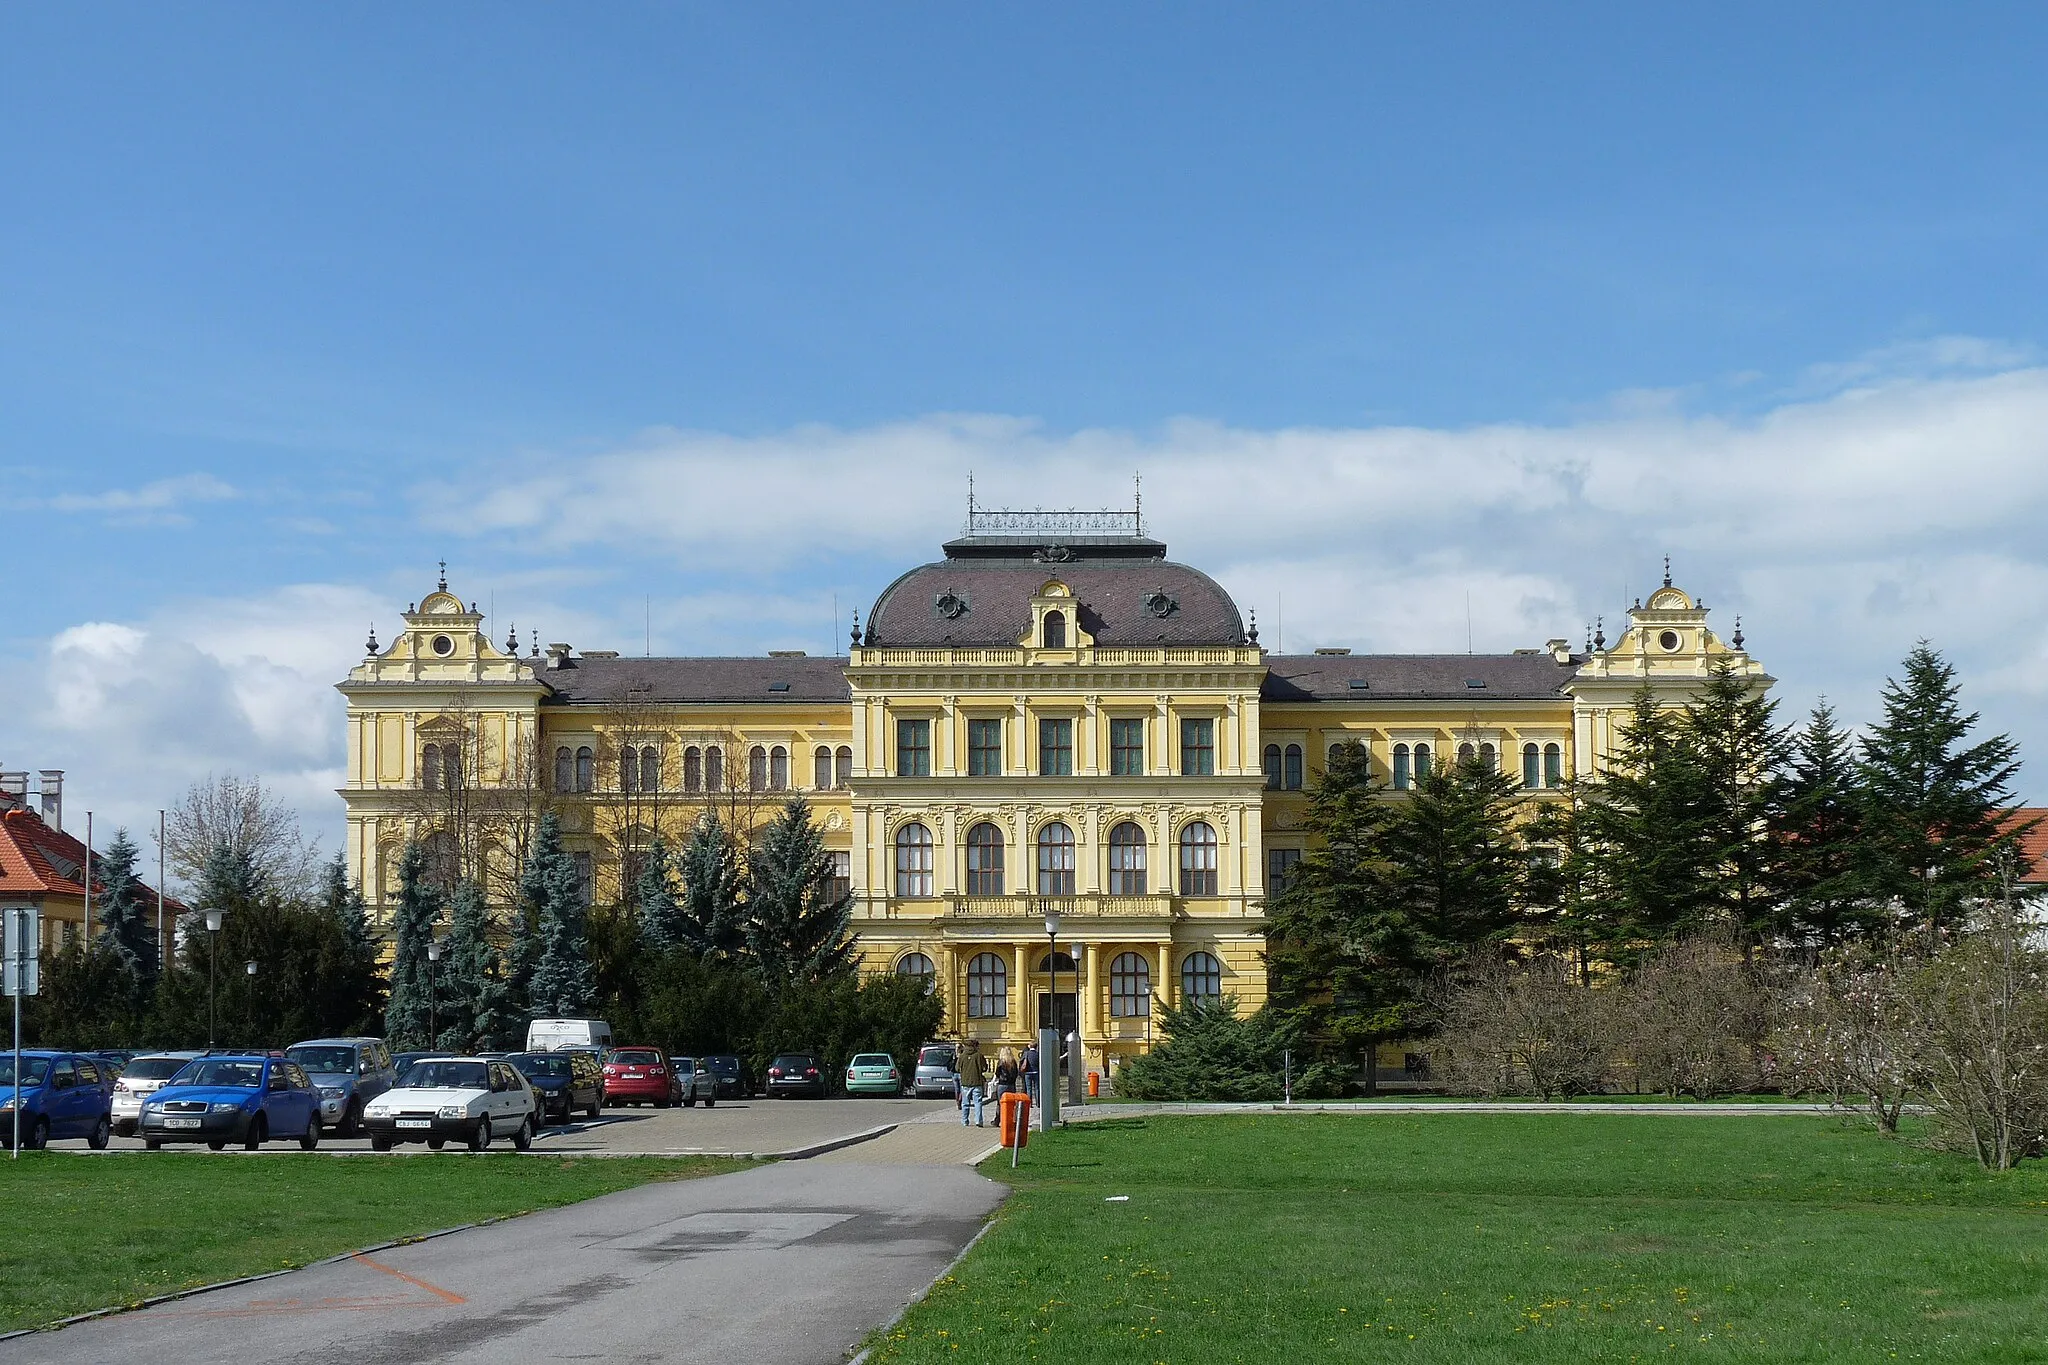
(148, 1073)
(348, 1073)
(938, 1071)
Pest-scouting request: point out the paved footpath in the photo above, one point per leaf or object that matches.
(787, 1264)
(1101, 1110)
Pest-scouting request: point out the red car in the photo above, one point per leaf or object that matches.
(639, 1075)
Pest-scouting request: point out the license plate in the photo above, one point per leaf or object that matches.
(415, 1123)
(181, 1123)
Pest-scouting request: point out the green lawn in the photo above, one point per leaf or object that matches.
(1470, 1237)
(78, 1233)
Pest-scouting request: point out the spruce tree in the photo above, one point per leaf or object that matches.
(129, 915)
(797, 924)
(407, 1019)
(1648, 836)
(344, 901)
(713, 920)
(1934, 806)
(1817, 837)
(471, 975)
(654, 895)
(351, 984)
(1457, 866)
(1738, 749)
(561, 985)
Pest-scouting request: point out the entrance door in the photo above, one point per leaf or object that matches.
(1068, 1005)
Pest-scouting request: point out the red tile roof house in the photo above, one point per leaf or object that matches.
(40, 865)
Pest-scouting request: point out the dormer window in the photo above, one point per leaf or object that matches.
(1055, 630)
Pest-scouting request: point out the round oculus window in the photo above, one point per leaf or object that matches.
(444, 646)
(1669, 640)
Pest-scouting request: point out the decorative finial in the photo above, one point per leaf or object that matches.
(512, 640)
(1600, 632)
(1589, 639)
(970, 510)
(442, 586)
(536, 644)
(1736, 638)
(856, 610)
(1667, 571)
(1138, 501)
(1251, 634)
(370, 645)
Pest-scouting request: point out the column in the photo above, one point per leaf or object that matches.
(956, 991)
(1163, 984)
(1025, 1019)
(1091, 995)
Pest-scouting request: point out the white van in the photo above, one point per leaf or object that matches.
(553, 1035)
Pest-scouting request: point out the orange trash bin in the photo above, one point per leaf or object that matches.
(1013, 1119)
(1094, 1084)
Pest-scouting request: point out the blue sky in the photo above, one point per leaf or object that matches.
(678, 322)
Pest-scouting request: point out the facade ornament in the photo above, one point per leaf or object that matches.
(1251, 634)
(1736, 638)
(512, 640)
(370, 645)
(1053, 554)
(536, 644)
(1600, 633)
(855, 638)
(442, 586)
(1667, 571)
(950, 605)
(1161, 604)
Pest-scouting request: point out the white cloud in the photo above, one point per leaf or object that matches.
(156, 502)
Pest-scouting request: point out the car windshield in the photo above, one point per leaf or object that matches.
(724, 1066)
(935, 1056)
(334, 1060)
(793, 1059)
(556, 1068)
(35, 1068)
(154, 1068)
(211, 1071)
(874, 1059)
(446, 1076)
(636, 1056)
(685, 1064)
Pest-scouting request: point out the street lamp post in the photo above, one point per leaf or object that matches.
(1052, 1011)
(249, 1005)
(213, 919)
(433, 995)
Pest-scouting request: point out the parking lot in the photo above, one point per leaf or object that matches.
(746, 1127)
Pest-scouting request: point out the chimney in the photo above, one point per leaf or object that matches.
(13, 790)
(558, 656)
(53, 798)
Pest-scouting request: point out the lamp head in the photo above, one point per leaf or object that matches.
(1052, 923)
(433, 950)
(250, 966)
(213, 919)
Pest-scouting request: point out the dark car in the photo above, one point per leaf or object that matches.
(796, 1073)
(562, 1082)
(57, 1095)
(247, 1099)
(733, 1083)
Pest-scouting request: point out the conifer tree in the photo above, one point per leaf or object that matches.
(713, 919)
(654, 895)
(1734, 741)
(1817, 835)
(344, 900)
(1458, 865)
(471, 977)
(1648, 837)
(1934, 806)
(229, 880)
(796, 923)
(129, 916)
(407, 1018)
(561, 985)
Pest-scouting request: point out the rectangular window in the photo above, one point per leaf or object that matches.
(984, 748)
(913, 748)
(1280, 864)
(1056, 748)
(1198, 748)
(840, 885)
(1127, 747)
(586, 877)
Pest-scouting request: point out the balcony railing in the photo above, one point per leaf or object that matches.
(1037, 907)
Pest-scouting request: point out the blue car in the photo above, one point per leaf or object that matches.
(248, 1099)
(59, 1095)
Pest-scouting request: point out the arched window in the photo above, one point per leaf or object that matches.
(1130, 986)
(586, 769)
(1421, 761)
(1532, 766)
(1272, 767)
(984, 860)
(757, 769)
(778, 769)
(1198, 859)
(1055, 630)
(1404, 769)
(1127, 860)
(565, 770)
(629, 769)
(1489, 759)
(586, 876)
(1294, 773)
(1056, 860)
(913, 860)
(451, 767)
(1553, 765)
(693, 769)
(821, 768)
(988, 987)
(430, 767)
(1467, 753)
(650, 769)
(1062, 962)
(842, 767)
(1201, 977)
(918, 965)
(444, 860)
(714, 769)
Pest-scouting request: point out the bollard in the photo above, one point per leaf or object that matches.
(1094, 1085)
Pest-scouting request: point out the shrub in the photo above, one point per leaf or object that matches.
(1520, 1028)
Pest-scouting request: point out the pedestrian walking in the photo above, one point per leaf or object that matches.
(1031, 1071)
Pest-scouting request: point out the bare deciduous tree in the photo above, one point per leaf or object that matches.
(1694, 1016)
(251, 820)
(1525, 1028)
(1845, 1030)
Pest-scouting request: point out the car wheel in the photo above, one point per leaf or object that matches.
(436, 1143)
(38, 1135)
(152, 1144)
(380, 1144)
(689, 1101)
(711, 1101)
(310, 1139)
(597, 1105)
(259, 1132)
(351, 1121)
(523, 1139)
(102, 1134)
(216, 1144)
(481, 1138)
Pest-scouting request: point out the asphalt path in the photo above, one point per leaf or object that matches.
(788, 1264)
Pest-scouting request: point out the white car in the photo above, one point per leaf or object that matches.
(470, 1098)
(141, 1078)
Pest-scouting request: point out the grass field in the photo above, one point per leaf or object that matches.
(1465, 1237)
(78, 1233)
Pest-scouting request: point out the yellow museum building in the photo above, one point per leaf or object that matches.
(1053, 716)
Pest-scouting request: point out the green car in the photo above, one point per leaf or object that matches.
(873, 1073)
